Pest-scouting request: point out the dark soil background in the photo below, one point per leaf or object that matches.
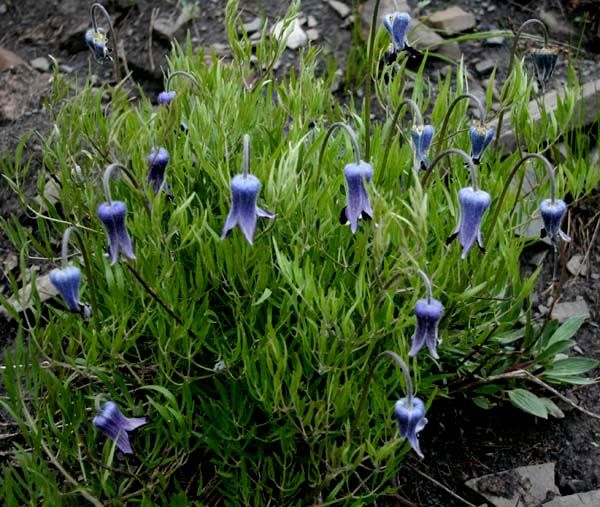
(461, 441)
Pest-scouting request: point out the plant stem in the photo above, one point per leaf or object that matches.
(427, 284)
(453, 104)
(351, 134)
(246, 159)
(183, 73)
(445, 153)
(368, 86)
(97, 6)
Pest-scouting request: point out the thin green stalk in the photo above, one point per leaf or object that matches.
(453, 104)
(368, 86)
(351, 135)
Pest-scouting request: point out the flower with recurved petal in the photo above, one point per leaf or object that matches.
(409, 413)
(67, 281)
(98, 44)
(113, 214)
(116, 426)
(480, 137)
(553, 212)
(422, 135)
(397, 26)
(544, 60)
(358, 205)
(473, 205)
(244, 211)
(157, 163)
(428, 313)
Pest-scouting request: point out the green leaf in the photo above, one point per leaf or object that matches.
(528, 402)
(552, 408)
(566, 331)
(570, 379)
(571, 366)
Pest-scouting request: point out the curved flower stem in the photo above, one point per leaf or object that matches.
(106, 183)
(246, 159)
(98, 400)
(97, 6)
(351, 134)
(87, 264)
(427, 284)
(513, 53)
(368, 86)
(363, 396)
(65, 245)
(453, 104)
(181, 73)
(445, 153)
(417, 118)
(513, 172)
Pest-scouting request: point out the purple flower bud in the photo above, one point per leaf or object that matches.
(480, 137)
(410, 417)
(113, 217)
(553, 212)
(244, 211)
(98, 44)
(544, 60)
(473, 205)
(358, 204)
(116, 426)
(422, 135)
(397, 26)
(426, 332)
(166, 97)
(67, 281)
(157, 163)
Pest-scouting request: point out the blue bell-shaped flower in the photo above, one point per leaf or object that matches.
(473, 205)
(410, 416)
(397, 26)
(166, 97)
(358, 205)
(553, 212)
(428, 313)
(67, 281)
(480, 137)
(422, 135)
(98, 44)
(157, 163)
(113, 216)
(544, 60)
(116, 426)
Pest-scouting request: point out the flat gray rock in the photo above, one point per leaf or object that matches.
(577, 308)
(589, 499)
(452, 21)
(24, 300)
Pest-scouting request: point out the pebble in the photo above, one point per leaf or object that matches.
(3, 9)
(253, 26)
(576, 267)
(312, 34)
(296, 37)
(494, 41)
(341, 8)
(485, 67)
(312, 22)
(42, 64)
(563, 311)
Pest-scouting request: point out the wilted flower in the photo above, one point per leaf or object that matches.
(166, 97)
(358, 204)
(157, 163)
(397, 26)
(428, 313)
(544, 60)
(67, 281)
(244, 211)
(422, 135)
(113, 216)
(98, 43)
(473, 205)
(410, 416)
(480, 137)
(116, 426)
(553, 212)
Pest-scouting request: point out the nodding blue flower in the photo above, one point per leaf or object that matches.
(98, 44)
(113, 216)
(116, 426)
(410, 416)
(544, 60)
(553, 212)
(428, 313)
(244, 211)
(67, 281)
(397, 26)
(166, 97)
(473, 205)
(422, 135)
(358, 205)
(480, 137)
(157, 163)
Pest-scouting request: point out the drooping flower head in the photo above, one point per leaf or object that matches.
(409, 413)
(480, 136)
(166, 97)
(422, 135)
(397, 26)
(245, 189)
(98, 44)
(544, 60)
(157, 163)
(116, 426)
(553, 212)
(358, 205)
(473, 205)
(428, 313)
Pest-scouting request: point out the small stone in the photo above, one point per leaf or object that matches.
(588, 499)
(24, 300)
(485, 67)
(294, 36)
(491, 8)
(312, 34)
(576, 265)
(42, 64)
(424, 38)
(495, 41)
(66, 69)
(254, 26)
(452, 20)
(563, 311)
(3, 9)
(341, 8)
(50, 196)
(312, 22)
(538, 258)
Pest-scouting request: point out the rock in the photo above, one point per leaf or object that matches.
(21, 91)
(24, 300)
(386, 7)
(589, 499)
(312, 34)
(294, 36)
(425, 39)
(312, 22)
(66, 69)
(537, 258)
(527, 486)
(494, 41)
(452, 21)
(555, 22)
(341, 8)
(576, 267)
(254, 26)
(3, 9)
(41, 63)
(485, 67)
(166, 27)
(563, 311)
(8, 60)
(50, 196)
